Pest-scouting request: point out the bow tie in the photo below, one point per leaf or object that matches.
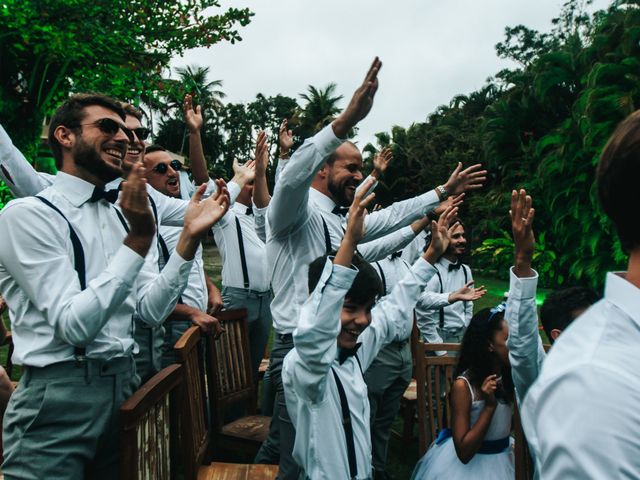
(249, 211)
(100, 194)
(455, 266)
(427, 242)
(345, 353)
(340, 211)
(395, 255)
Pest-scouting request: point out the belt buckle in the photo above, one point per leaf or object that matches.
(80, 360)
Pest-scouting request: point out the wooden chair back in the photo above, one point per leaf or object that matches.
(147, 446)
(229, 367)
(194, 433)
(434, 377)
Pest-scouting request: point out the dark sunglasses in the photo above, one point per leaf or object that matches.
(162, 168)
(110, 127)
(141, 132)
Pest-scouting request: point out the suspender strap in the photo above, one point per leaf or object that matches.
(78, 260)
(163, 249)
(441, 321)
(327, 237)
(348, 427)
(382, 277)
(122, 220)
(243, 258)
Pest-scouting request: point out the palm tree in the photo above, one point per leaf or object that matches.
(320, 110)
(194, 80)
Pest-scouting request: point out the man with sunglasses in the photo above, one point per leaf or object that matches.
(72, 272)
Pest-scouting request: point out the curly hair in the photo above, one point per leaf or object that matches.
(476, 360)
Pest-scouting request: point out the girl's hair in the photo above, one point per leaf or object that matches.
(475, 360)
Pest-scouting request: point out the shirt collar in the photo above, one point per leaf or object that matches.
(623, 294)
(323, 202)
(73, 188)
(240, 208)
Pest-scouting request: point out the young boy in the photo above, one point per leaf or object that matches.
(325, 391)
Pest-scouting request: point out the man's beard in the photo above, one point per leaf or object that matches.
(339, 192)
(87, 157)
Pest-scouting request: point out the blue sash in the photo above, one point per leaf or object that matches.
(489, 447)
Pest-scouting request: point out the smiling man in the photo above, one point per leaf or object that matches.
(446, 305)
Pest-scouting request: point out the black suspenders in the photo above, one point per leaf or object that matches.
(327, 237)
(243, 258)
(383, 278)
(464, 270)
(346, 424)
(78, 262)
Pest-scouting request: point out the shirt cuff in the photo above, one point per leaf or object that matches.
(326, 142)
(177, 269)
(430, 200)
(126, 265)
(234, 191)
(423, 269)
(522, 287)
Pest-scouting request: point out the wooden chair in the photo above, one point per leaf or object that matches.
(434, 377)
(147, 446)
(231, 383)
(195, 437)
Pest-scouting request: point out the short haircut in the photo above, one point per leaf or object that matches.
(334, 155)
(365, 287)
(71, 113)
(154, 148)
(558, 309)
(131, 110)
(617, 176)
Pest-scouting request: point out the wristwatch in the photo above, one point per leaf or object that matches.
(443, 192)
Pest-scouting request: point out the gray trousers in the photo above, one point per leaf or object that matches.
(62, 421)
(150, 341)
(387, 378)
(259, 317)
(278, 446)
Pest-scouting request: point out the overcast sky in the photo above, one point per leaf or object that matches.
(431, 50)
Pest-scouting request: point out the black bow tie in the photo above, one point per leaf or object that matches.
(341, 211)
(100, 194)
(395, 255)
(427, 242)
(249, 211)
(345, 353)
(455, 266)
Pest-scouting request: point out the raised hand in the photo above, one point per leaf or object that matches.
(261, 156)
(360, 103)
(355, 224)
(192, 117)
(453, 201)
(134, 204)
(381, 162)
(467, 293)
(522, 215)
(285, 139)
(441, 235)
(461, 180)
(201, 215)
(244, 173)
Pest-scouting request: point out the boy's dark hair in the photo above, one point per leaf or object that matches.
(131, 110)
(475, 360)
(617, 179)
(366, 286)
(71, 113)
(155, 148)
(558, 309)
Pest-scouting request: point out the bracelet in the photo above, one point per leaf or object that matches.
(283, 156)
(443, 192)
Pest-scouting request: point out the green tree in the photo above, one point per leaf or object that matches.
(320, 109)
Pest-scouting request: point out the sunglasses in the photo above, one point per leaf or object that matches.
(110, 127)
(141, 132)
(162, 168)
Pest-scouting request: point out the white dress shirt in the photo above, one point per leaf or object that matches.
(295, 226)
(391, 270)
(225, 234)
(526, 353)
(49, 312)
(456, 315)
(581, 416)
(416, 248)
(311, 393)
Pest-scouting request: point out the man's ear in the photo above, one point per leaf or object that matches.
(323, 172)
(555, 333)
(65, 136)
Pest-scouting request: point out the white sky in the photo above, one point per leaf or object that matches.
(431, 50)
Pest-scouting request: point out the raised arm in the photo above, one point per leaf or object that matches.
(285, 142)
(288, 207)
(526, 353)
(194, 121)
(261, 195)
(382, 247)
(17, 173)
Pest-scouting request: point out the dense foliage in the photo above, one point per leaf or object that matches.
(539, 126)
